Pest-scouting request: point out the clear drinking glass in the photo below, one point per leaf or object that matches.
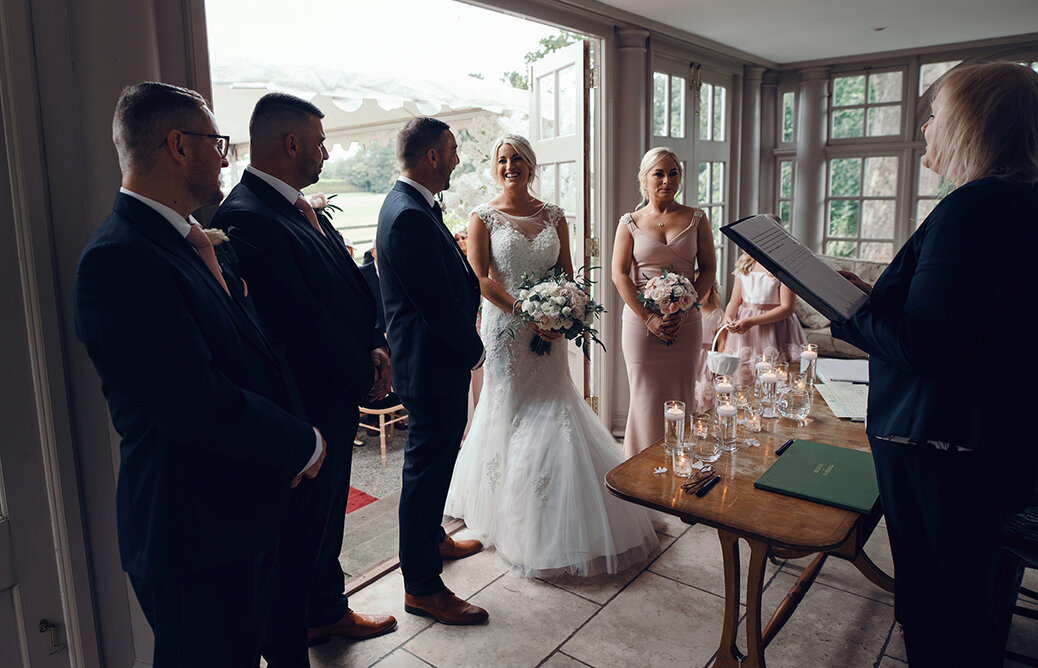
(726, 414)
(753, 417)
(705, 447)
(794, 404)
(673, 424)
(682, 459)
(741, 398)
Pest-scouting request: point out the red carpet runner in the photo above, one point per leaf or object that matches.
(357, 499)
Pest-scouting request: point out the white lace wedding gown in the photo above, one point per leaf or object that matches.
(529, 479)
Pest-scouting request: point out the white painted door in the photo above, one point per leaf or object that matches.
(560, 136)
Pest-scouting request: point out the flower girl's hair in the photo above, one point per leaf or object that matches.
(744, 264)
(523, 148)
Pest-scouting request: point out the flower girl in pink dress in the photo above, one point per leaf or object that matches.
(713, 315)
(760, 319)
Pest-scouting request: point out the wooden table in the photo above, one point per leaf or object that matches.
(772, 524)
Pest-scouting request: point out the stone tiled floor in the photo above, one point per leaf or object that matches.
(666, 613)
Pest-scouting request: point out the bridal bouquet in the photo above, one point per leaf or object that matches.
(556, 303)
(668, 293)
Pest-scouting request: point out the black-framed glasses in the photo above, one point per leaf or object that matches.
(223, 142)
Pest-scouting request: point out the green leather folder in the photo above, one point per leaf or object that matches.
(824, 473)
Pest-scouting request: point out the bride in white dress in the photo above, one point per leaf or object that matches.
(529, 478)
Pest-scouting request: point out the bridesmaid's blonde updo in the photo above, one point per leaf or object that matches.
(522, 147)
(649, 160)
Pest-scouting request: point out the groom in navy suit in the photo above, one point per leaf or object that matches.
(315, 302)
(431, 297)
(211, 426)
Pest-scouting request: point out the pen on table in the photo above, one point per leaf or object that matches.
(707, 485)
(782, 448)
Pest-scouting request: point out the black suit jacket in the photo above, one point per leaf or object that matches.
(944, 309)
(312, 299)
(430, 295)
(370, 274)
(197, 394)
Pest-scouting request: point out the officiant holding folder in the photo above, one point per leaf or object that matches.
(952, 460)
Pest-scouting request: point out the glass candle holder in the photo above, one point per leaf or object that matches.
(781, 369)
(768, 381)
(741, 398)
(726, 426)
(809, 362)
(682, 459)
(752, 422)
(673, 424)
(723, 389)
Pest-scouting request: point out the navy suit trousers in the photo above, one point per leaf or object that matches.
(436, 425)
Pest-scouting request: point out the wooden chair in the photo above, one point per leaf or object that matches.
(387, 417)
(1021, 546)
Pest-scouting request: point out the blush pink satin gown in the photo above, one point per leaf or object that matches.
(657, 372)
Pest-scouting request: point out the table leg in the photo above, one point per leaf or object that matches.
(873, 572)
(728, 653)
(793, 598)
(754, 591)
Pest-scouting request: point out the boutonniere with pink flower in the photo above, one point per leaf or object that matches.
(322, 203)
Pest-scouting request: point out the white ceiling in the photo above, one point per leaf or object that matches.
(787, 31)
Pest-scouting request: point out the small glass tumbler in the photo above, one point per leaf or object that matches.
(752, 421)
(809, 362)
(741, 399)
(682, 459)
(781, 369)
(726, 426)
(705, 447)
(673, 424)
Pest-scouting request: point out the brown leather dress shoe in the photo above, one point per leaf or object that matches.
(445, 608)
(459, 549)
(352, 626)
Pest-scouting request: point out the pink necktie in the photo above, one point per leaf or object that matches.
(308, 211)
(197, 238)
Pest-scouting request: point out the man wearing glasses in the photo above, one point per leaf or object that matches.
(212, 431)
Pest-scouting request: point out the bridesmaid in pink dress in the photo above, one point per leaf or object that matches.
(662, 234)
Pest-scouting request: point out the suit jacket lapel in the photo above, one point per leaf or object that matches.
(158, 229)
(330, 243)
(421, 203)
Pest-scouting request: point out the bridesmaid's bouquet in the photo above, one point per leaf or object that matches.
(557, 303)
(668, 293)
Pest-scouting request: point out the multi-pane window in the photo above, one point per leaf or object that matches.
(787, 123)
(929, 191)
(713, 112)
(861, 205)
(866, 105)
(668, 105)
(711, 200)
(785, 193)
(931, 72)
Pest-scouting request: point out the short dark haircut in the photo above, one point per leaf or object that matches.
(278, 113)
(144, 116)
(418, 136)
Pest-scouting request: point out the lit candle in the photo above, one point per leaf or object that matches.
(674, 413)
(769, 377)
(763, 366)
(726, 410)
(724, 387)
(806, 357)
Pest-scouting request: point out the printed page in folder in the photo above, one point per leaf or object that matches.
(845, 400)
(797, 267)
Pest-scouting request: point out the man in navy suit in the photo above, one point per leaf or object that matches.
(314, 301)
(212, 438)
(431, 296)
(370, 272)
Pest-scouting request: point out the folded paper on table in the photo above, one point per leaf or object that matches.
(845, 400)
(796, 267)
(831, 370)
(825, 474)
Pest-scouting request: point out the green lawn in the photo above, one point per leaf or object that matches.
(358, 218)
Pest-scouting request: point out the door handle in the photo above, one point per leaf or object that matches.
(45, 626)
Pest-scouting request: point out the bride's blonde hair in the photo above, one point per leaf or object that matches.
(522, 147)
